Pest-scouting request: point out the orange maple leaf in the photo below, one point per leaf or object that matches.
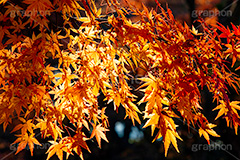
(24, 140)
(98, 132)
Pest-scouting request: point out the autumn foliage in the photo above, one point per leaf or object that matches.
(100, 56)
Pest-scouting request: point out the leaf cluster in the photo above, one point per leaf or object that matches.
(92, 60)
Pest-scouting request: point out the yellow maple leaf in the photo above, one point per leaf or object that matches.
(24, 140)
(98, 132)
(170, 137)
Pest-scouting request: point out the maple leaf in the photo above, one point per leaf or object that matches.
(26, 140)
(207, 129)
(12, 10)
(98, 132)
(18, 25)
(79, 143)
(5, 120)
(13, 39)
(195, 31)
(55, 148)
(223, 109)
(68, 6)
(166, 126)
(225, 31)
(152, 121)
(226, 111)
(234, 105)
(4, 31)
(35, 7)
(27, 126)
(170, 137)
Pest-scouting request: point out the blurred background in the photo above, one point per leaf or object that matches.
(128, 142)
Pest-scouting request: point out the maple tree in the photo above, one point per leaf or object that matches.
(97, 57)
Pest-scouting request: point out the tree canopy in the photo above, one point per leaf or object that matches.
(58, 56)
